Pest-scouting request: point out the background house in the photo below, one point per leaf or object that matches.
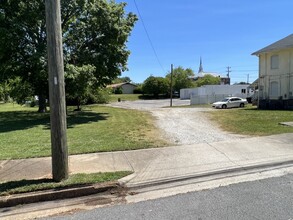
(275, 84)
(212, 93)
(126, 87)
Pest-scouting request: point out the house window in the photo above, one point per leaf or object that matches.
(275, 62)
(243, 91)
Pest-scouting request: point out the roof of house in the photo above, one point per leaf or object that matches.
(284, 43)
(120, 84)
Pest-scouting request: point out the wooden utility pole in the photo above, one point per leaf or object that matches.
(228, 71)
(56, 91)
(171, 87)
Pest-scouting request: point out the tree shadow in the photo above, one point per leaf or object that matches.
(152, 97)
(84, 117)
(22, 120)
(264, 110)
(8, 187)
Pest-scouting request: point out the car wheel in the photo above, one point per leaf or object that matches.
(224, 106)
(241, 105)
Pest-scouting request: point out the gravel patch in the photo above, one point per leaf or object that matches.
(181, 126)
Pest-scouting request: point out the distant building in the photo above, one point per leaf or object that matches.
(126, 87)
(225, 80)
(211, 93)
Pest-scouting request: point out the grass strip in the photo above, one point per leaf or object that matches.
(25, 186)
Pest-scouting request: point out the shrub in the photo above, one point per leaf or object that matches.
(101, 96)
(118, 90)
(138, 90)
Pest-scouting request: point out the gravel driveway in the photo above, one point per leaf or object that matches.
(181, 126)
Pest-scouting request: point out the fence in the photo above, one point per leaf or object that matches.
(208, 99)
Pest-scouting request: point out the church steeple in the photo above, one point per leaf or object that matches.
(200, 69)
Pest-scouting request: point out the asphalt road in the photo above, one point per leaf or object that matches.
(262, 199)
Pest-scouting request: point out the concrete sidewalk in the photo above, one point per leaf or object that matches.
(152, 166)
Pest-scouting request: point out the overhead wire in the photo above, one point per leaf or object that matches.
(148, 36)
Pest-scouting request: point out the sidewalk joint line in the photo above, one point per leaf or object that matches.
(128, 162)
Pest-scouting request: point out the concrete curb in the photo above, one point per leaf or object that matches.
(49, 195)
(242, 169)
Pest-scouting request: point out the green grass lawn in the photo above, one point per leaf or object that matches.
(125, 97)
(24, 133)
(251, 121)
(23, 186)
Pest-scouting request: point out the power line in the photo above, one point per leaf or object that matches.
(148, 36)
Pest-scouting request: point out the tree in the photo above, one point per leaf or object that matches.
(155, 86)
(19, 91)
(95, 33)
(80, 83)
(208, 80)
(4, 91)
(181, 78)
(23, 43)
(121, 80)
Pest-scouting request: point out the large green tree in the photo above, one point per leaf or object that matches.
(208, 79)
(181, 78)
(155, 86)
(95, 33)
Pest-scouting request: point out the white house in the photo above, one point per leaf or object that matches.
(275, 84)
(211, 93)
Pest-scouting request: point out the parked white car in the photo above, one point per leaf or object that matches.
(230, 102)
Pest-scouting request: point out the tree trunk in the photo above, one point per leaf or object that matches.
(42, 104)
(78, 106)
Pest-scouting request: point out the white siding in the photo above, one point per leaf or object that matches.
(128, 88)
(275, 83)
(212, 92)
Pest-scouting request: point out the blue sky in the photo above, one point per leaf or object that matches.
(224, 33)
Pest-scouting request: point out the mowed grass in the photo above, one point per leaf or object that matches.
(24, 133)
(251, 121)
(75, 180)
(125, 97)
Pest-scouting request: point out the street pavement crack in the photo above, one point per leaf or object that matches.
(224, 155)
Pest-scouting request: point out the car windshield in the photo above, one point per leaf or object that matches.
(225, 100)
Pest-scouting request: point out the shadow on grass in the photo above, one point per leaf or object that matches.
(266, 110)
(151, 97)
(13, 187)
(21, 120)
(8, 186)
(84, 117)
